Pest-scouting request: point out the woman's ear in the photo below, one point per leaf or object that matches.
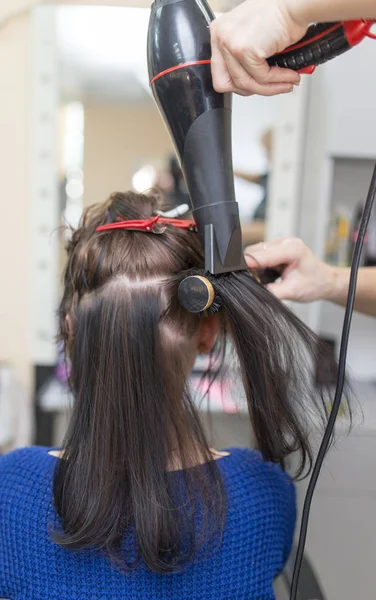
(69, 325)
(207, 334)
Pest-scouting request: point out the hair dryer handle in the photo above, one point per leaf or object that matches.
(321, 43)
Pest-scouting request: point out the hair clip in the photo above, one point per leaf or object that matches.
(178, 211)
(148, 225)
(197, 295)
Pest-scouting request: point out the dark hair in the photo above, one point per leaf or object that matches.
(130, 346)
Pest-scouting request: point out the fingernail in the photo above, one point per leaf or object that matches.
(288, 90)
(297, 82)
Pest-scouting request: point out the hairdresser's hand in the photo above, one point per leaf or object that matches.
(243, 38)
(304, 277)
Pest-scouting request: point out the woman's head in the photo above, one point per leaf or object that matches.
(109, 269)
(132, 346)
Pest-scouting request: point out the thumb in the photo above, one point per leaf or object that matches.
(257, 258)
(281, 290)
(220, 74)
(280, 252)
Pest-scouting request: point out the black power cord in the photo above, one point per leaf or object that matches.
(340, 383)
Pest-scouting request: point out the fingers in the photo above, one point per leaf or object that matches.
(236, 69)
(229, 76)
(259, 70)
(274, 254)
(245, 83)
(263, 74)
(281, 290)
(222, 80)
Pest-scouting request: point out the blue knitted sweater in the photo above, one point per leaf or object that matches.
(256, 541)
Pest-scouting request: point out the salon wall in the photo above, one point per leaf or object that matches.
(15, 202)
(351, 97)
(118, 141)
(339, 118)
(8, 8)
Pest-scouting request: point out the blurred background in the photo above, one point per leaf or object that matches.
(77, 122)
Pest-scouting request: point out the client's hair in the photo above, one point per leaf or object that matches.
(130, 346)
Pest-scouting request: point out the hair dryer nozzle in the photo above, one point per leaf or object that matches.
(199, 122)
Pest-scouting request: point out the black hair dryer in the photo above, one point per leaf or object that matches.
(199, 121)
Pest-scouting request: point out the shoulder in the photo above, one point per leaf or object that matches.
(24, 464)
(264, 495)
(251, 472)
(22, 455)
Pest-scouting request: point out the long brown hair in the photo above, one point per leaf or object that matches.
(129, 342)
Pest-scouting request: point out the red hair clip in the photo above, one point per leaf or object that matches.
(148, 225)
